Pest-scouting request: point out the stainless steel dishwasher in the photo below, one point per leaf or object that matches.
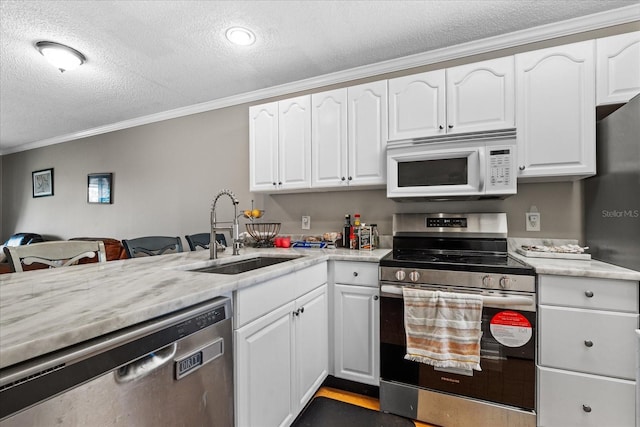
(176, 370)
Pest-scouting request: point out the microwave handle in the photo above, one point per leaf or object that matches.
(481, 159)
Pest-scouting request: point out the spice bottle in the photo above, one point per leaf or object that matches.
(375, 237)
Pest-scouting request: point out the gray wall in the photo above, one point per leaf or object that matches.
(167, 173)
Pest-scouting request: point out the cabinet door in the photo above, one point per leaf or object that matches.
(367, 111)
(594, 341)
(329, 138)
(481, 96)
(569, 399)
(294, 148)
(263, 147)
(417, 105)
(356, 333)
(556, 112)
(311, 344)
(618, 68)
(265, 369)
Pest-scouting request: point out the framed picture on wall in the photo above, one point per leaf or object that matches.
(42, 181)
(100, 188)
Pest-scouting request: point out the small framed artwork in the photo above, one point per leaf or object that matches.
(42, 182)
(99, 188)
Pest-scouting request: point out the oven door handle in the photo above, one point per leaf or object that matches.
(510, 300)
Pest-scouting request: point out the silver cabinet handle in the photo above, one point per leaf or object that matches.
(589, 294)
(586, 408)
(441, 127)
(522, 167)
(375, 297)
(588, 343)
(355, 274)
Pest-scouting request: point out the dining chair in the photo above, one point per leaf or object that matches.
(152, 245)
(203, 239)
(53, 254)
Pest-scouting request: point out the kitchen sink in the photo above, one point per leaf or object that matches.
(242, 266)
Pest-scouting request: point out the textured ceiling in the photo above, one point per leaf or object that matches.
(147, 57)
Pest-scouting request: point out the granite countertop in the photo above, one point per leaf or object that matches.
(47, 310)
(570, 267)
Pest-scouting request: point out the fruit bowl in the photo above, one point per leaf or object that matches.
(263, 232)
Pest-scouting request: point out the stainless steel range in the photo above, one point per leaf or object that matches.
(462, 253)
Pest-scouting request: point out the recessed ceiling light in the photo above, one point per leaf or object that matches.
(64, 58)
(240, 36)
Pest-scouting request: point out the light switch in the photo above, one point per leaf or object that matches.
(532, 221)
(306, 222)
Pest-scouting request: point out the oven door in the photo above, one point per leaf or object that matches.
(435, 170)
(507, 355)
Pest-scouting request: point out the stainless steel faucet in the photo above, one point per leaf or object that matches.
(233, 227)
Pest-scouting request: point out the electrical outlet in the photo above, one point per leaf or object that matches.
(306, 222)
(532, 221)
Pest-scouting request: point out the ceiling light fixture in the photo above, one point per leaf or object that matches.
(240, 36)
(64, 58)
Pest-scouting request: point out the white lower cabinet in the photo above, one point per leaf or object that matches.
(575, 399)
(281, 356)
(586, 347)
(356, 322)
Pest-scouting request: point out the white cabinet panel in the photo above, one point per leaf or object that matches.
(312, 343)
(356, 273)
(481, 96)
(587, 292)
(593, 341)
(329, 138)
(263, 146)
(556, 112)
(618, 68)
(569, 399)
(265, 369)
(356, 333)
(294, 142)
(417, 105)
(367, 115)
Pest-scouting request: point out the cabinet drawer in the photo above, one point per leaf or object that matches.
(570, 399)
(262, 298)
(588, 292)
(590, 341)
(356, 273)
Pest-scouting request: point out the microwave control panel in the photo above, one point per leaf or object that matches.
(500, 167)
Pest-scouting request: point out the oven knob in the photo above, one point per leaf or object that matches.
(505, 282)
(487, 281)
(400, 275)
(414, 276)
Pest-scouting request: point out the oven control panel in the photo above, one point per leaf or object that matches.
(496, 281)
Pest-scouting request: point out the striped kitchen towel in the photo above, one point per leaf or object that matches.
(443, 328)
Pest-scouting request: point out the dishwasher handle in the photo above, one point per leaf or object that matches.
(144, 366)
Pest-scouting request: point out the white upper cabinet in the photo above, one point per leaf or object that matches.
(481, 96)
(294, 143)
(618, 68)
(367, 111)
(349, 136)
(417, 105)
(329, 138)
(467, 98)
(556, 112)
(263, 147)
(280, 145)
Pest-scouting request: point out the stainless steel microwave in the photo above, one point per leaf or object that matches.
(455, 166)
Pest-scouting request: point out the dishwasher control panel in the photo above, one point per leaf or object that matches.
(201, 321)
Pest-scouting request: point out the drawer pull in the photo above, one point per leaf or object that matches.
(588, 343)
(589, 294)
(586, 408)
(355, 274)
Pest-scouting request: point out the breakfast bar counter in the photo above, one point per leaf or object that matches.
(47, 310)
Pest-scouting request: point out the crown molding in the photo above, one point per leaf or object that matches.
(623, 15)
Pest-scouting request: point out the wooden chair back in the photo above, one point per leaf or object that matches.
(54, 254)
